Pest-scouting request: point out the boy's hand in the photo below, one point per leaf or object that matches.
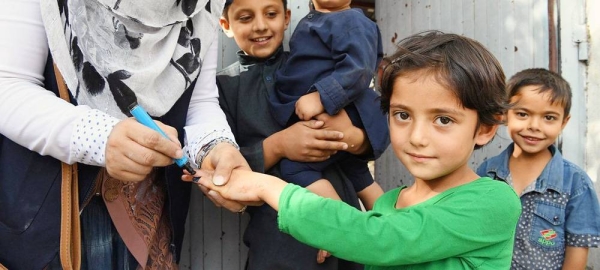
(355, 137)
(309, 106)
(306, 141)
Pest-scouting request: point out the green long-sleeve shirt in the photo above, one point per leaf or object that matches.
(466, 227)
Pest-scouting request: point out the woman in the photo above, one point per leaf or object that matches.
(111, 53)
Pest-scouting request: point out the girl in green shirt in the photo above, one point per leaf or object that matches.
(444, 95)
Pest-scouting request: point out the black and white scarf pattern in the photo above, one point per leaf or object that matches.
(111, 52)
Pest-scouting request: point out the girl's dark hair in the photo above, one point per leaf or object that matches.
(465, 66)
(229, 2)
(560, 91)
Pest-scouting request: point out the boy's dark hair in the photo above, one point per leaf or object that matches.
(229, 2)
(560, 91)
(465, 66)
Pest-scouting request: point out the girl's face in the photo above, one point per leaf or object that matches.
(258, 27)
(534, 122)
(431, 133)
(331, 5)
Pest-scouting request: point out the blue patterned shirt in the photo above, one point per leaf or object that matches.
(560, 209)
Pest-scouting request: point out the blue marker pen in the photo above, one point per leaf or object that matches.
(144, 118)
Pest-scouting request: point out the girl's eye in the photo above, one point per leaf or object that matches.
(443, 121)
(521, 114)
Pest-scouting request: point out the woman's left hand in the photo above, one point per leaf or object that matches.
(221, 161)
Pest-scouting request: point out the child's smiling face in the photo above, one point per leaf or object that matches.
(258, 27)
(431, 133)
(534, 122)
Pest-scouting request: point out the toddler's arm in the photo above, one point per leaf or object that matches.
(356, 51)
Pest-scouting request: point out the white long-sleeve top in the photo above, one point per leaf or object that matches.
(38, 120)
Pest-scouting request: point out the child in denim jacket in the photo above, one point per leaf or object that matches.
(561, 215)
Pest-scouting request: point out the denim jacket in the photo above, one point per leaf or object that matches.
(559, 209)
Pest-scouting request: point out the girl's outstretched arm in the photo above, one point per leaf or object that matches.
(469, 220)
(244, 186)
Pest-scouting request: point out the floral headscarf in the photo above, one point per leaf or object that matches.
(111, 52)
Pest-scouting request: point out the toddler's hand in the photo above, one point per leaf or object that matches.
(309, 106)
(322, 255)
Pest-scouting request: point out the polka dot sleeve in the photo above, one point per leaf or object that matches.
(90, 136)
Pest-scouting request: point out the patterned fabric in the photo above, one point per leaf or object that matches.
(560, 209)
(137, 212)
(113, 53)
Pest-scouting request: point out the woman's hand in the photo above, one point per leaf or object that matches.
(132, 150)
(222, 160)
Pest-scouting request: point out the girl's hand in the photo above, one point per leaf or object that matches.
(244, 186)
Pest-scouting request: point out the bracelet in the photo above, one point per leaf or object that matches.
(204, 150)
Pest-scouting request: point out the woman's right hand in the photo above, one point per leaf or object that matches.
(132, 150)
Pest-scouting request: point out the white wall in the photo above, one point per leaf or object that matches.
(592, 146)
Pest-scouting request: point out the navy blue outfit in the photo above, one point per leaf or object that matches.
(560, 209)
(335, 54)
(30, 202)
(244, 90)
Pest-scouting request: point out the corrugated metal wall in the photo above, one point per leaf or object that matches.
(516, 31)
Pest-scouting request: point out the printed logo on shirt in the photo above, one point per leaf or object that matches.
(547, 237)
